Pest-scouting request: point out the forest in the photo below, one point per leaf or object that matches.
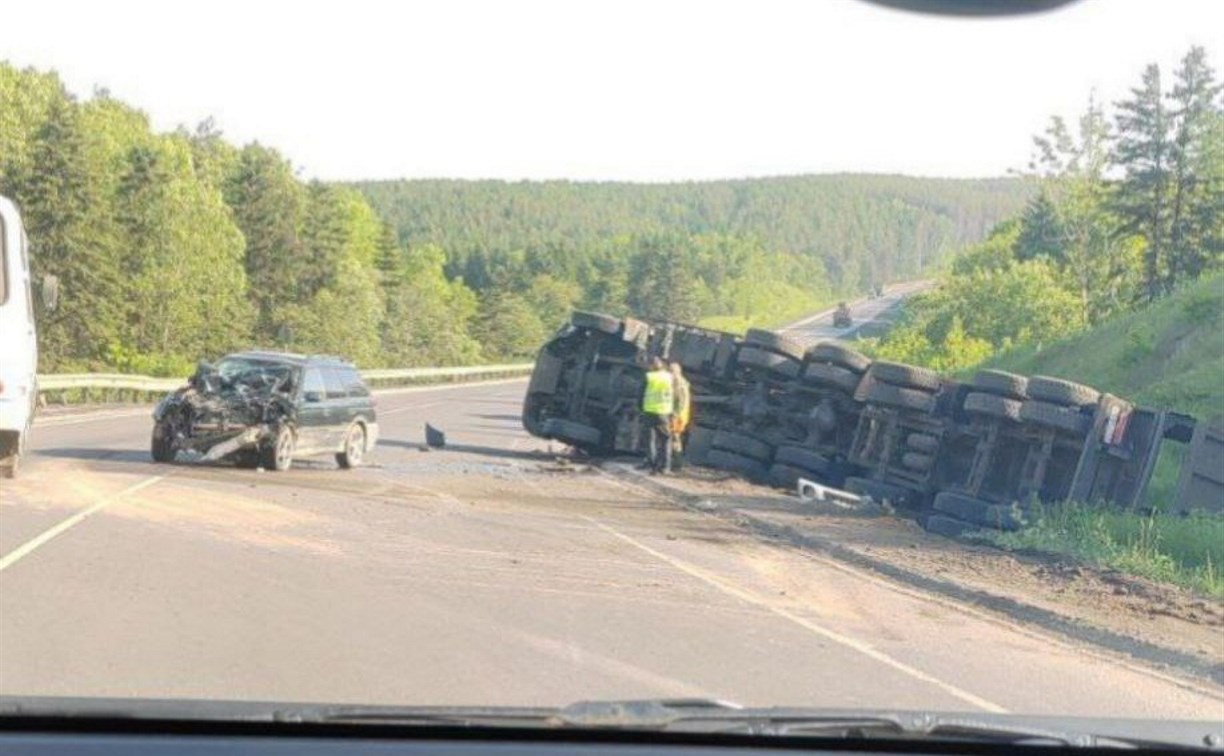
(169, 247)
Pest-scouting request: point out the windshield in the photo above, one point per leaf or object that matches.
(841, 355)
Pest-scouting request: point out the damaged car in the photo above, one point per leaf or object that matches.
(265, 409)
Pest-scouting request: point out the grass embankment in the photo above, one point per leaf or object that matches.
(1169, 354)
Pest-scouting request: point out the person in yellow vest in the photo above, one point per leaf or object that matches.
(682, 413)
(658, 404)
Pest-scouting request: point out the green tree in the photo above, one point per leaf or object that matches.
(508, 328)
(1197, 204)
(1041, 231)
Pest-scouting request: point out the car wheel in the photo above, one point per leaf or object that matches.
(162, 445)
(354, 447)
(278, 455)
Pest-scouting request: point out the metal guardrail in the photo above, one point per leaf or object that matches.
(123, 382)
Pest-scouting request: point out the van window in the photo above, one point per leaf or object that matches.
(335, 386)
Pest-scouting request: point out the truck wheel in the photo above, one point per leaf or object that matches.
(922, 442)
(808, 461)
(744, 445)
(840, 355)
(354, 447)
(1047, 415)
(162, 445)
(992, 405)
(1001, 383)
(970, 509)
(917, 461)
(948, 526)
(878, 491)
(736, 463)
(571, 432)
(780, 364)
(1058, 391)
(832, 376)
(906, 376)
(278, 453)
(901, 398)
(774, 342)
(595, 321)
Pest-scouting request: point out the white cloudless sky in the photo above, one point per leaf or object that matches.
(642, 90)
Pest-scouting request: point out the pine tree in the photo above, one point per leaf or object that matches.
(1198, 195)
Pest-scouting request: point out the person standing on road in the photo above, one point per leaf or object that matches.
(658, 405)
(682, 412)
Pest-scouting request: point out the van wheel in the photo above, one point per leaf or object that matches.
(278, 455)
(354, 447)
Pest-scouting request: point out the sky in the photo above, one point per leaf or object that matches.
(627, 90)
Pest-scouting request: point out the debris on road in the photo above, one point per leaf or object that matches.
(434, 438)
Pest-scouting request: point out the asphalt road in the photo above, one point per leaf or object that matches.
(870, 316)
(484, 573)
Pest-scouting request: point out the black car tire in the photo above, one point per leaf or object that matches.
(354, 447)
(992, 405)
(595, 321)
(744, 445)
(774, 342)
(162, 445)
(779, 364)
(1058, 391)
(570, 431)
(831, 376)
(922, 442)
(900, 398)
(815, 464)
(840, 355)
(737, 463)
(278, 454)
(1056, 416)
(1001, 383)
(906, 376)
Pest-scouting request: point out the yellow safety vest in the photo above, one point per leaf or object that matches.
(659, 397)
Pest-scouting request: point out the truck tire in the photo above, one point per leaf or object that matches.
(970, 509)
(992, 405)
(786, 476)
(948, 526)
(161, 447)
(736, 463)
(838, 354)
(595, 321)
(1058, 391)
(1047, 415)
(906, 376)
(831, 376)
(900, 398)
(922, 442)
(917, 461)
(571, 431)
(879, 491)
(700, 441)
(545, 374)
(774, 342)
(743, 445)
(1000, 383)
(778, 364)
(816, 465)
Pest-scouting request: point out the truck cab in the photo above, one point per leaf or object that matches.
(18, 341)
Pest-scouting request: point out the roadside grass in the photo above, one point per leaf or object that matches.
(1186, 551)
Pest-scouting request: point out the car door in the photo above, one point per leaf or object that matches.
(312, 412)
(339, 409)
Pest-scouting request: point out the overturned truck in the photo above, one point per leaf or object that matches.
(964, 455)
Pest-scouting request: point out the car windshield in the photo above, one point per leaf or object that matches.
(859, 356)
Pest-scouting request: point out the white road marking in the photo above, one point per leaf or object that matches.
(27, 548)
(848, 642)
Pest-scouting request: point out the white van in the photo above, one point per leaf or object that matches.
(18, 345)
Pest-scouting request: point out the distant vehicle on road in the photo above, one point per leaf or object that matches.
(265, 409)
(18, 341)
(842, 317)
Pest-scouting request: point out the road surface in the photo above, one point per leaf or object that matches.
(484, 573)
(870, 316)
